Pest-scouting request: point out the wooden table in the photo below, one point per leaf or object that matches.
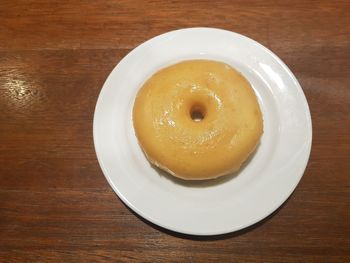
(55, 204)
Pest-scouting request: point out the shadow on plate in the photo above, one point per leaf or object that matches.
(203, 184)
(208, 182)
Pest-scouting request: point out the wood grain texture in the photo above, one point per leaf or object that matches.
(55, 204)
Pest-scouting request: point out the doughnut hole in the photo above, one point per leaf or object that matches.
(198, 112)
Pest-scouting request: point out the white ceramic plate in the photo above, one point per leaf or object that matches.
(210, 207)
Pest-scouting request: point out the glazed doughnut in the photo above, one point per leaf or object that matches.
(197, 119)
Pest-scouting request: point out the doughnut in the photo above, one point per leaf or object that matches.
(197, 119)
